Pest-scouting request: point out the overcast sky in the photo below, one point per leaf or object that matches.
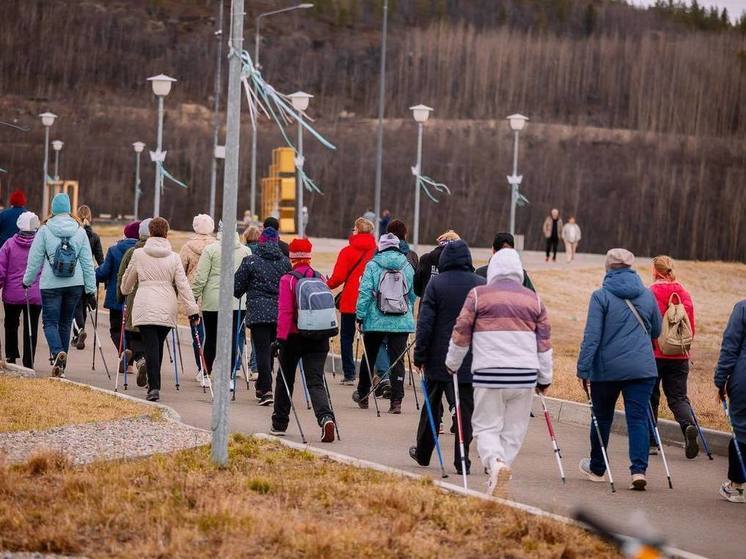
(735, 7)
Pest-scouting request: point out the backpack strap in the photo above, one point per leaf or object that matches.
(670, 299)
(637, 316)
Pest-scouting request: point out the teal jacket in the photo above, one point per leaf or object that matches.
(367, 310)
(45, 244)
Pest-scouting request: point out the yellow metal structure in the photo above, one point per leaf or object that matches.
(279, 189)
(70, 187)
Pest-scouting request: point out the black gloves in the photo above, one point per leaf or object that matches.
(91, 301)
(194, 319)
(277, 346)
(542, 387)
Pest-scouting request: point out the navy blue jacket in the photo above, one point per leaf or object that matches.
(444, 297)
(731, 368)
(615, 347)
(258, 277)
(8, 218)
(107, 272)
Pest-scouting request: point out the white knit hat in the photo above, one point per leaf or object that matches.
(27, 222)
(144, 230)
(203, 224)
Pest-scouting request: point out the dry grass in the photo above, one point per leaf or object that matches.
(43, 403)
(715, 287)
(270, 502)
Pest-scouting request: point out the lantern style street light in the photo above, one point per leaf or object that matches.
(300, 101)
(517, 123)
(420, 113)
(57, 147)
(138, 147)
(47, 120)
(161, 88)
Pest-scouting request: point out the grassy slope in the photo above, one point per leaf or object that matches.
(270, 501)
(42, 404)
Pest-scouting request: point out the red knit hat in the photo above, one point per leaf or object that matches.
(300, 249)
(18, 199)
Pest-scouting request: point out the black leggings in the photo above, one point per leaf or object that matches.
(12, 322)
(552, 243)
(735, 473)
(153, 337)
(210, 319)
(263, 335)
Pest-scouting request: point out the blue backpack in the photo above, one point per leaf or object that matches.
(65, 259)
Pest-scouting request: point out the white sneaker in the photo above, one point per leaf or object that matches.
(500, 474)
(638, 482)
(199, 377)
(732, 492)
(585, 468)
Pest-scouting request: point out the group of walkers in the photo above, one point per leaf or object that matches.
(483, 337)
(554, 232)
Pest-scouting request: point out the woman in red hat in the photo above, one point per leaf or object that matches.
(9, 216)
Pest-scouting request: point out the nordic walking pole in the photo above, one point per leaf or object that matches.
(178, 346)
(387, 374)
(331, 407)
(555, 446)
(174, 360)
(203, 362)
(659, 443)
(431, 421)
(95, 331)
(28, 325)
(701, 433)
(97, 344)
(370, 376)
(600, 438)
(237, 361)
(726, 409)
(292, 405)
(306, 395)
(461, 431)
(411, 380)
(334, 363)
(122, 349)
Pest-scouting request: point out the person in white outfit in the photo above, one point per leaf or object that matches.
(571, 237)
(507, 328)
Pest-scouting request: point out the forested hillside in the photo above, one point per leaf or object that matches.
(637, 122)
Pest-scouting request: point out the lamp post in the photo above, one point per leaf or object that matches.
(138, 146)
(421, 113)
(300, 100)
(257, 43)
(57, 147)
(47, 120)
(517, 123)
(216, 106)
(161, 87)
(381, 95)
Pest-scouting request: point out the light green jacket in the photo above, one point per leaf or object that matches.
(206, 281)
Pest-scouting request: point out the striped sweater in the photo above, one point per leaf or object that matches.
(507, 328)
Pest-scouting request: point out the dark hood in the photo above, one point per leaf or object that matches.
(455, 256)
(270, 251)
(624, 283)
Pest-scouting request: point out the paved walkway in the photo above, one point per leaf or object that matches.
(692, 516)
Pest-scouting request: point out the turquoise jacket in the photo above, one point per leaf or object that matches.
(367, 310)
(44, 246)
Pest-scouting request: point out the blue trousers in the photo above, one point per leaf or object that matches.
(346, 340)
(57, 311)
(636, 394)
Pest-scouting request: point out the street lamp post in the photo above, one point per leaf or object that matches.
(216, 106)
(421, 113)
(257, 43)
(381, 95)
(139, 146)
(300, 100)
(57, 147)
(517, 123)
(161, 87)
(47, 120)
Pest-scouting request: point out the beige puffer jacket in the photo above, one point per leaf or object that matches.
(160, 277)
(192, 250)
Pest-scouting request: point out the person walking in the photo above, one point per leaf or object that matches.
(571, 235)
(162, 283)
(134, 349)
(552, 230)
(504, 240)
(616, 357)
(258, 278)
(9, 216)
(62, 251)
(16, 300)
(507, 328)
(440, 307)
(81, 311)
(428, 264)
(107, 274)
(273, 223)
(399, 229)
(251, 236)
(348, 270)
(297, 348)
(383, 223)
(206, 291)
(673, 364)
(730, 381)
(385, 310)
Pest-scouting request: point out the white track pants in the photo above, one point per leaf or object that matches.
(500, 422)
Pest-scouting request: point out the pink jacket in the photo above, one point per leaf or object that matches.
(287, 316)
(662, 290)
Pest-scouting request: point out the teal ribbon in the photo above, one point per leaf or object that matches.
(426, 183)
(170, 176)
(3, 170)
(521, 201)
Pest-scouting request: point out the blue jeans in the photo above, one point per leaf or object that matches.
(346, 340)
(636, 394)
(382, 359)
(57, 311)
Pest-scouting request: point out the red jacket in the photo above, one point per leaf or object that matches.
(350, 267)
(662, 290)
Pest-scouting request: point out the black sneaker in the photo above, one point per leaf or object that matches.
(383, 389)
(395, 407)
(80, 340)
(327, 430)
(361, 402)
(142, 372)
(692, 447)
(266, 399)
(277, 431)
(153, 396)
(126, 356)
